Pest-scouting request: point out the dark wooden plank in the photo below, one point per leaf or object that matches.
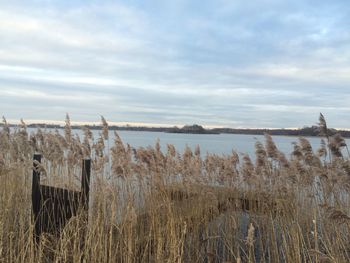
(52, 206)
(85, 183)
(60, 193)
(36, 195)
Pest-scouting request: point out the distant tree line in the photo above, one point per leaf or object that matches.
(198, 129)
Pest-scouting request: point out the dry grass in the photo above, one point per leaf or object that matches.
(154, 206)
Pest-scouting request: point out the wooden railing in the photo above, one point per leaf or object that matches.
(52, 206)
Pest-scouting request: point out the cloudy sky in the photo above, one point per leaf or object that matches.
(266, 63)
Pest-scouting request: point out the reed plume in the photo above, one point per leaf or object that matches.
(171, 206)
(104, 128)
(323, 126)
(271, 147)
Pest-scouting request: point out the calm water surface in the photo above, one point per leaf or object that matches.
(212, 143)
(209, 143)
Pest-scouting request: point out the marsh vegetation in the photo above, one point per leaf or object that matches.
(149, 205)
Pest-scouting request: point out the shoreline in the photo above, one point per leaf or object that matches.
(304, 132)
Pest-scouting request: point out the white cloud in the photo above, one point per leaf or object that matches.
(212, 63)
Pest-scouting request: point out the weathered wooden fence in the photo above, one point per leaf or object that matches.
(52, 206)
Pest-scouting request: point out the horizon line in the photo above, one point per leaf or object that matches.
(148, 125)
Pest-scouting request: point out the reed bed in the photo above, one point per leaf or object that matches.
(149, 205)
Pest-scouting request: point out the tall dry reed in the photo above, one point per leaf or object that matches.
(153, 206)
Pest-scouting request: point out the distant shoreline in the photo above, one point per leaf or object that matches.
(312, 131)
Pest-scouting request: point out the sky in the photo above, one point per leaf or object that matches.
(219, 63)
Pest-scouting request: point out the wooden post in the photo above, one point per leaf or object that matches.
(36, 195)
(85, 183)
(52, 207)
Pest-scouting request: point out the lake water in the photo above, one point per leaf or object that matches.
(209, 143)
(212, 143)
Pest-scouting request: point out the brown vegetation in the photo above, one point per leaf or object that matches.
(153, 206)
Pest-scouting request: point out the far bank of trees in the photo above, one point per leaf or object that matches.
(198, 129)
